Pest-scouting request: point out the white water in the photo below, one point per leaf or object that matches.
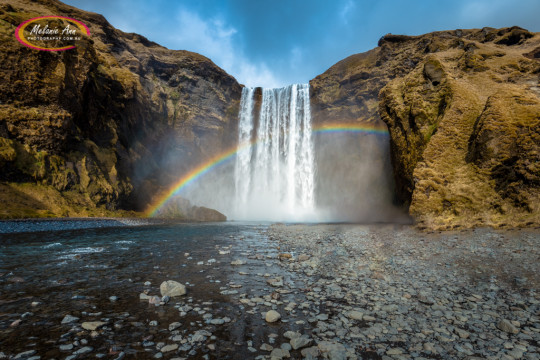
(274, 178)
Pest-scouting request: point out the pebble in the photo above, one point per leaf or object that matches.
(272, 316)
(68, 319)
(172, 288)
(507, 326)
(169, 348)
(92, 325)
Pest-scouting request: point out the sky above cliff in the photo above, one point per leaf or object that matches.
(274, 43)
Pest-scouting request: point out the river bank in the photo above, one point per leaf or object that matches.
(260, 291)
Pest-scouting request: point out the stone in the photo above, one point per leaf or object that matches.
(169, 348)
(24, 354)
(272, 316)
(300, 342)
(394, 351)
(332, 350)
(143, 296)
(355, 315)
(83, 350)
(174, 326)
(278, 353)
(92, 325)
(266, 347)
(291, 334)
(506, 326)
(154, 300)
(303, 257)
(68, 319)
(66, 347)
(238, 262)
(172, 288)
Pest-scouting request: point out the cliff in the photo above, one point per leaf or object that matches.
(107, 126)
(463, 112)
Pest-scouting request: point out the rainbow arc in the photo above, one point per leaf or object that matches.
(222, 158)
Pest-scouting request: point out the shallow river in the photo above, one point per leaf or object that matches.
(59, 268)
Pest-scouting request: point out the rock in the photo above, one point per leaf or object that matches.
(394, 351)
(238, 262)
(172, 288)
(154, 300)
(143, 296)
(310, 353)
(278, 353)
(83, 350)
(173, 326)
(266, 347)
(169, 348)
(300, 342)
(24, 355)
(291, 334)
(68, 319)
(355, 315)
(506, 326)
(272, 316)
(113, 298)
(462, 333)
(66, 347)
(92, 325)
(303, 257)
(332, 350)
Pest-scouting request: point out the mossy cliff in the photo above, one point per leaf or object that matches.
(107, 126)
(463, 112)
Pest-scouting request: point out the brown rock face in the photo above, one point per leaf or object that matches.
(107, 125)
(462, 110)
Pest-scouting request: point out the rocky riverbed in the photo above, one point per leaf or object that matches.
(270, 292)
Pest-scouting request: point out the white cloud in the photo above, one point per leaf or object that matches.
(214, 39)
(345, 11)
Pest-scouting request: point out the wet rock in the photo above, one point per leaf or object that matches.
(172, 288)
(154, 300)
(332, 350)
(310, 353)
(355, 315)
(169, 348)
(303, 257)
(66, 347)
(92, 325)
(291, 334)
(83, 350)
(68, 319)
(272, 316)
(506, 326)
(278, 353)
(300, 342)
(174, 326)
(24, 355)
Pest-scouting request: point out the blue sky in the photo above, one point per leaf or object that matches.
(273, 43)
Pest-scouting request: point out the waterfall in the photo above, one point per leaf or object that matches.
(274, 170)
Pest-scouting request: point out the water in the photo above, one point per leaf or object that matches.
(274, 179)
(76, 271)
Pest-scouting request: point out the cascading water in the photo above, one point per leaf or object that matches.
(274, 178)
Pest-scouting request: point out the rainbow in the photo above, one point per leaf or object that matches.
(226, 156)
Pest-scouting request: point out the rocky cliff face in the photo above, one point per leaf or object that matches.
(463, 112)
(105, 126)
